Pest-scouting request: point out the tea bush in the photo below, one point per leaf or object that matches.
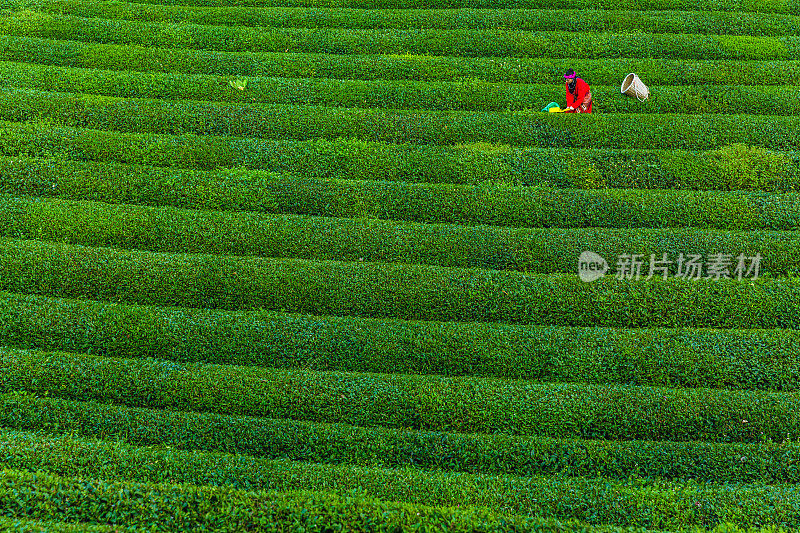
(715, 358)
(257, 442)
(393, 290)
(749, 167)
(606, 71)
(584, 20)
(459, 42)
(460, 404)
(544, 130)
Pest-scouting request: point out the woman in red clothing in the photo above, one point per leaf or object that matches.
(579, 97)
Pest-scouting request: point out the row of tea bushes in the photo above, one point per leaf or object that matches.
(184, 507)
(539, 250)
(657, 504)
(51, 526)
(468, 95)
(461, 42)
(523, 128)
(658, 72)
(583, 20)
(388, 502)
(495, 204)
(733, 359)
(763, 6)
(256, 442)
(393, 290)
(735, 167)
(462, 404)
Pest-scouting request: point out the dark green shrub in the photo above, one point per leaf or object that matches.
(280, 122)
(392, 290)
(363, 238)
(617, 18)
(606, 71)
(457, 42)
(660, 505)
(764, 6)
(461, 404)
(732, 359)
(257, 441)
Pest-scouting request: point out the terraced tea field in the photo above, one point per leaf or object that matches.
(313, 265)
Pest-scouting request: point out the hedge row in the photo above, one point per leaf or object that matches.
(606, 71)
(393, 290)
(22, 525)
(492, 204)
(758, 6)
(184, 507)
(470, 95)
(462, 42)
(474, 164)
(734, 359)
(530, 128)
(256, 441)
(594, 20)
(463, 404)
(544, 251)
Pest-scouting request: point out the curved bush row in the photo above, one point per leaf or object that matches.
(404, 504)
(393, 290)
(734, 359)
(544, 251)
(462, 404)
(463, 42)
(256, 441)
(474, 164)
(468, 95)
(764, 6)
(530, 128)
(184, 507)
(493, 204)
(606, 71)
(606, 20)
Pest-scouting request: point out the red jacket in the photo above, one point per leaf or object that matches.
(582, 101)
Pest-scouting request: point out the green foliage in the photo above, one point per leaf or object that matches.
(71, 456)
(47, 526)
(184, 507)
(392, 290)
(543, 130)
(281, 187)
(363, 238)
(392, 94)
(462, 41)
(401, 67)
(319, 160)
(584, 175)
(740, 166)
(734, 359)
(461, 404)
(763, 6)
(614, 19)
(258, 441)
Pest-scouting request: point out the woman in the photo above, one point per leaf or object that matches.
(579, 97)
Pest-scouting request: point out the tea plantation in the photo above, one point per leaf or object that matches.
(313, 265)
